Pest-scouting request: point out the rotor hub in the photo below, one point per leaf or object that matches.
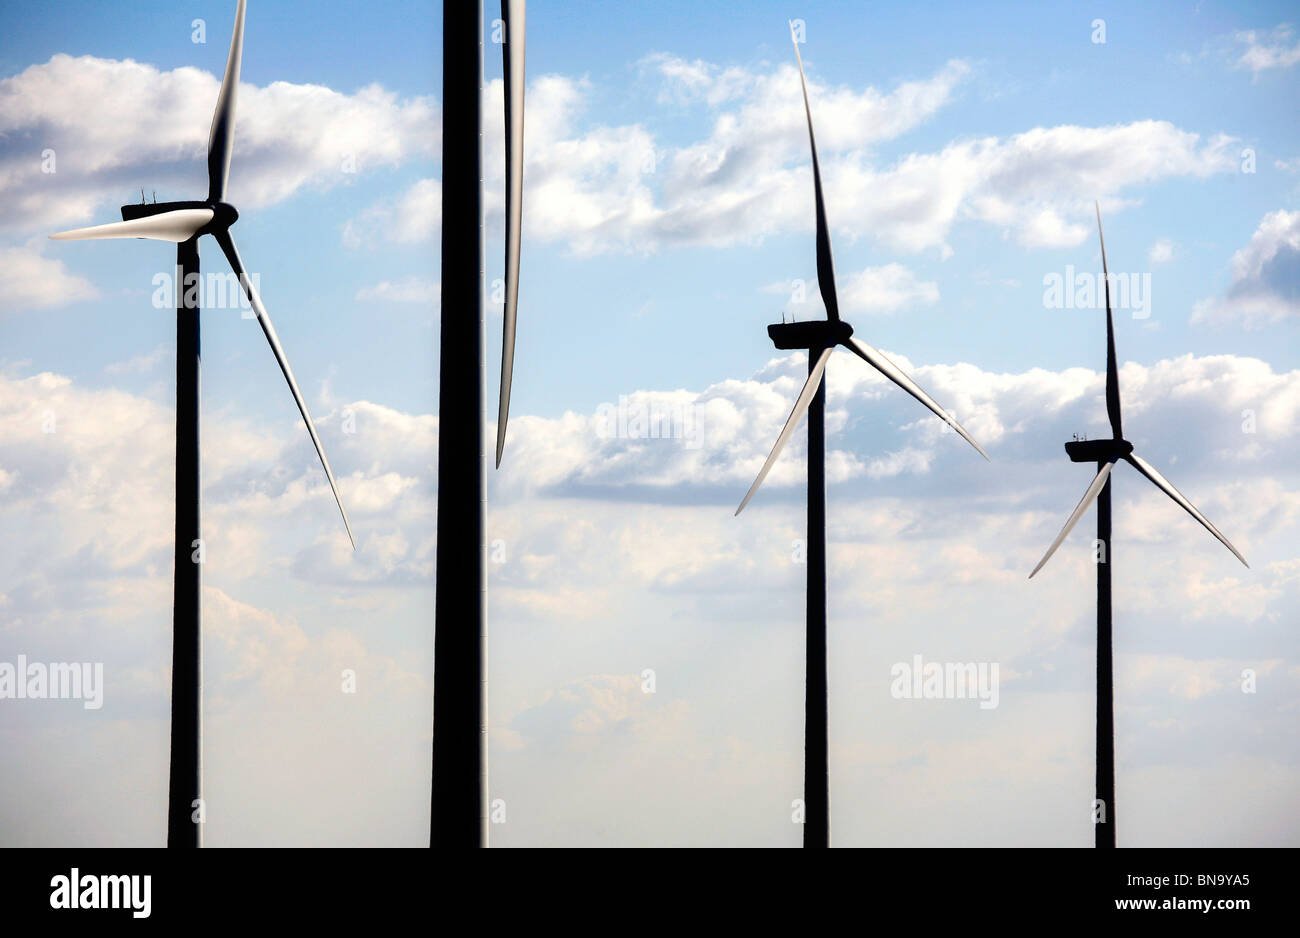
(223, 215)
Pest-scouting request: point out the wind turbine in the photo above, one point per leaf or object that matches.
(1105, 453)
(459, 810)
(184, 223)
(820, 338)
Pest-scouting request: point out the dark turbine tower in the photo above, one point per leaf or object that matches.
(184, 223)
(459, 793)
(820, 337)
(1105, 453)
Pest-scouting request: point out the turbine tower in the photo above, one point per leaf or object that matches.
(459, 810)
(1105, 453)
(184, 223)
(820, 337)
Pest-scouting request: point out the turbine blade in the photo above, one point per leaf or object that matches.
(221, 139)
(1112, 367)
(512, 12)
(177, 226)
(825, 264)
(800, 406)
(1089, 497)
(1148, 470)
(232, 255)
(876, 359)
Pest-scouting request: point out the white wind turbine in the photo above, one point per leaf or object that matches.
(1105, 453)
(821, 337)
(184, 223)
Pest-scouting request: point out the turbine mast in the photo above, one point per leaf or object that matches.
(459, 808)
(817, 790)
(1104, 803)
(184, 827)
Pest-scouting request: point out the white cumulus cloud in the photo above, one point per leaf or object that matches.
(1265, 285)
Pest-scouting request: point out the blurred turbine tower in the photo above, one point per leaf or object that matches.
(459, 813)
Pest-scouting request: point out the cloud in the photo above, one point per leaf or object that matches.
(1276, 49)
(584, 714)
(30, 280)
(141, 364)
(407, 290)
(771, 115)
(686, 82)
(114, 126)
(1265, 285)
(600, 188)
(749, 179)
(619, 553)
(416, 215)
(1028, 180)
(1161, 252)
(887, 289)
(914, 568)
(884, 289)
(650, 444)
(651, 447)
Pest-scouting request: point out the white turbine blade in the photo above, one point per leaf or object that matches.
(177, 226)
(1089, 497)
(877, 360)
(1148, 470)
(232, 255)
(221, 139)
(800, 406)
(512, 11)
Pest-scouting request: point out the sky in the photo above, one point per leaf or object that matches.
(646, 647)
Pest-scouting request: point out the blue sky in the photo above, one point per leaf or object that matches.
(668, 197)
